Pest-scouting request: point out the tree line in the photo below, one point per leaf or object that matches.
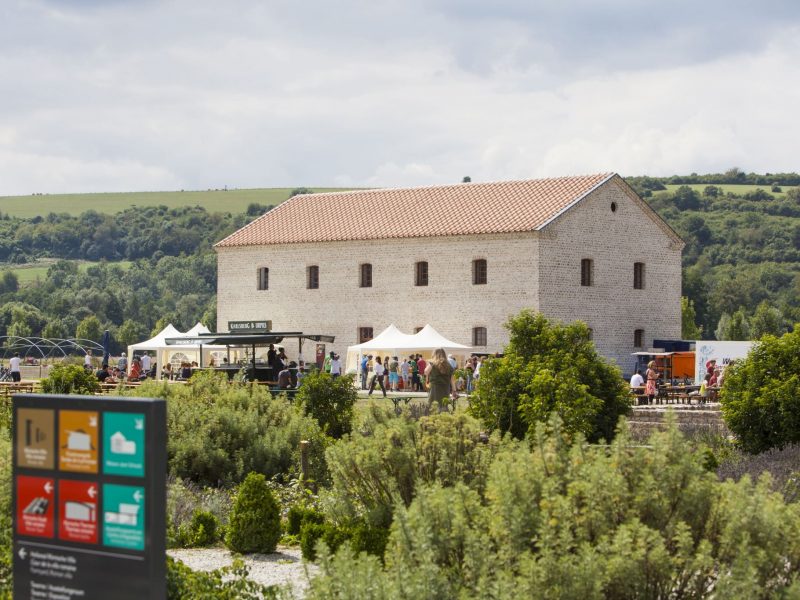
(741, 263)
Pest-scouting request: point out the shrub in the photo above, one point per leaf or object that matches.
(330, 401)
(381, 467)
(550, 368)
(184, 500)
(760, 395)
(255, 523)
(783, 465)
(70, 379)
(312, 533)
(227, 583)
(300, 514)
(220, 431)
(564, 519)
(203, 530)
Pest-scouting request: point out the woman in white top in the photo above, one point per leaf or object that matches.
(377, 376)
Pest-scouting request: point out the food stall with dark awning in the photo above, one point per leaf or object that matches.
(249, 341)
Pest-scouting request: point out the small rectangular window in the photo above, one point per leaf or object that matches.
(479, 271)
(366, 275)
(313, 277)
(638, 338)
(591, 333)
(587, 267)
(638, 276)
(479, 336)
(263, 278)
(364, 334)
(421, 273)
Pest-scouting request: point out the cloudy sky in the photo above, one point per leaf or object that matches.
(124, 95)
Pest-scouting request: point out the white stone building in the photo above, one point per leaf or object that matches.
(463, 258)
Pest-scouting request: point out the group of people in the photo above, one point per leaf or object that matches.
(712, 381)
(140, 368)
(408, 374)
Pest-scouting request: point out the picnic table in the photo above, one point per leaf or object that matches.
(7, 388)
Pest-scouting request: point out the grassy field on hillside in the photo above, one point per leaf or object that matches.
(233, 201)
(737, 189)
(30, 273)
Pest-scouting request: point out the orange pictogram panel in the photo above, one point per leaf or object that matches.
(77, 441)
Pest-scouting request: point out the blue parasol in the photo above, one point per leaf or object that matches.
(106, 343)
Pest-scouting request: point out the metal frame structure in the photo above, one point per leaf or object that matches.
(45, 348)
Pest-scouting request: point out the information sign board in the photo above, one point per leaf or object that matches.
(89, 486)
(250, 326)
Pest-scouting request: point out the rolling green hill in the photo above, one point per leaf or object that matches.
(232, 201)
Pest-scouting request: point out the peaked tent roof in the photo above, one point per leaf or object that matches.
(197, 330)
(392, 338)
(157, 341)
(428, 337)
(461, 209)
(388, 339)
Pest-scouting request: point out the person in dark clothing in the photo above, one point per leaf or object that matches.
(102, 374)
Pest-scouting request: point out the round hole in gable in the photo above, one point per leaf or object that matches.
(613, 207)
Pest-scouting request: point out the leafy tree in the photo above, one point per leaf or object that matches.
(130, 332)
(549, 368)
(689, 329)
(89, 329)
(330, 401)
(766, 320)
(55, 329)
(733, 327)
(9, 282)
(760, 396)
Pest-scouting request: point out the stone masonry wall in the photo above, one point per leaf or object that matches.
(614, 241)
(450, 302)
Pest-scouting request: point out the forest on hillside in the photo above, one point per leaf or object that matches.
(741, 264)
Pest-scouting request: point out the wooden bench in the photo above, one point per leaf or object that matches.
(8, 388)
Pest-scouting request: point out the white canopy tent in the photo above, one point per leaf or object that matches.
(394, 342)
(176, 354)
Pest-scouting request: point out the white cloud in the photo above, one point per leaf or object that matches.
(184, 94)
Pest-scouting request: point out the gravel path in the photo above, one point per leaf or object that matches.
(285, 566)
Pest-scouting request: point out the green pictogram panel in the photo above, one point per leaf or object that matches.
(123, 516)
(123, 444)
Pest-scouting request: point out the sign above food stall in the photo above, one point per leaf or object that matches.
(250, 326)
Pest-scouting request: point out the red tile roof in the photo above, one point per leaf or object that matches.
(462, 209)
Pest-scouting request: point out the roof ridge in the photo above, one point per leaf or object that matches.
(440, 186)
(424, 211)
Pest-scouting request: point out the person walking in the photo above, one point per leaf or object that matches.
(405, 375)
(122, 363)
(336, 366)
(394, 374)
(377, 376)
(652, 375)
(13, 367)
(364, 364)
(440, 380)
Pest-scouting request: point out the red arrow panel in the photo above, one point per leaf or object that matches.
(35, 499)
(77, 511)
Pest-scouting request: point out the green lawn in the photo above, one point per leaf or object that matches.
(734, 188)
(233, 201)
(30, 273)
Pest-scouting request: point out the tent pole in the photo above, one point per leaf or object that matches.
(201, 356)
